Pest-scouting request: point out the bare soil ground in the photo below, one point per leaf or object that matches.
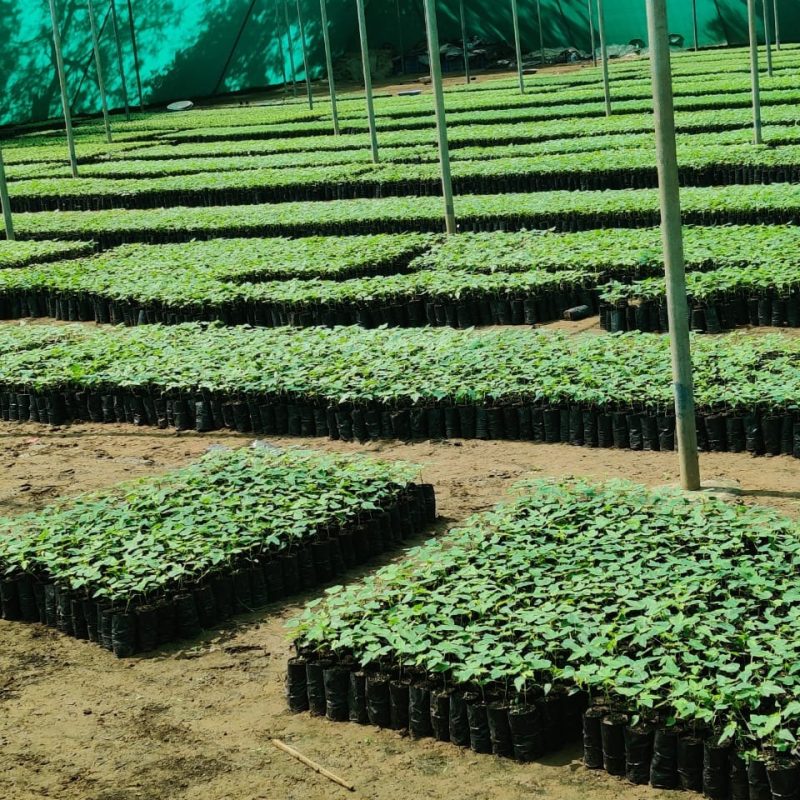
(194, 721)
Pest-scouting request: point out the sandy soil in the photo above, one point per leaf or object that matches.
(194, 721)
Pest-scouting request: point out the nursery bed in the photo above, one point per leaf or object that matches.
(562, 211)
(227, 535)
(499, 635)
(351, 383)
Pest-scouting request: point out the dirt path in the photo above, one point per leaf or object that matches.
(194, 722)
(40, 464)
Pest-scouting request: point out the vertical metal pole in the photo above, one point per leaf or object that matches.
(282, 55)
(776, 19)
(751, 21)
(591, 31)
(62, 80)
(464, 39)
(362, 32)
(441, 121)
(767, 42)
(326, 38)
(135, 55)
(305, 56)
(541, 30)
(517, 45)
(5, 202)
(604, 56)
(694, 25)
(115, 26)
(672, 236)
(292, 69)
(400, 38)
(101, 84)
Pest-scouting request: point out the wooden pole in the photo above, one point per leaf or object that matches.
(115, 26)
(753, 30)
(309, 91)
(604, 56)
(767, 42)
(326, 38)
(101, 84)
(62, 80)
(694, 26)
(517, 45)
(672, 236)
(292, 69)
(362, 32)
(591, 31)
(136, 65)
(464, 39)
(441, 122)
(5, 202)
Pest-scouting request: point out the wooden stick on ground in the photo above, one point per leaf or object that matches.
(309, 763)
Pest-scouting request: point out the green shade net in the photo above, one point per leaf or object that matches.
(200, 48)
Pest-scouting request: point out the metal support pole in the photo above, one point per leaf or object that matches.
(767, 42)
(292, 69)
(694, 25)
(87, 62)
(464, 39)
(62, 80)
(400, 38)
(541, 30)
(135, 55)
(281, 54)
(604, 56)
(101, 84)
(5, 202)
(777, 21)
(326, 38)
(362, 33)
(591, 31)
(305, 56)
(672, 236)
(115, 26)
(517, 45)
(751, 20)
(441, 121)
